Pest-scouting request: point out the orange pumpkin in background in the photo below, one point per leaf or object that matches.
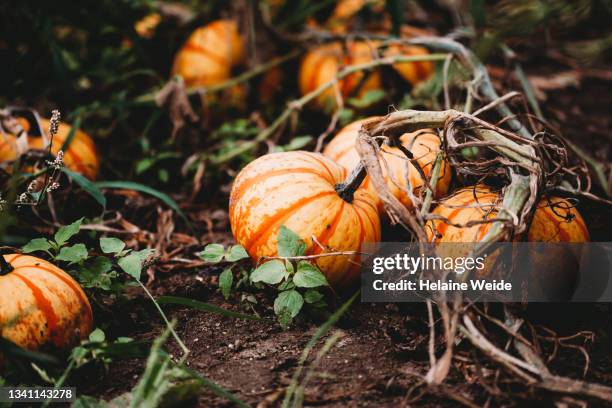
(80, 156)
(555, 219)
(209, 54)
(424, 145)
(297, 189)
(323, 63)
(412, 72)
(41, 305)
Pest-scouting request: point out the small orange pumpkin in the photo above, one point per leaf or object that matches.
(41, 305)
(80, 156)
(296, 189)
(209, 54)
(321, 65)
(555, 219)
(412, 72)
(424, 145)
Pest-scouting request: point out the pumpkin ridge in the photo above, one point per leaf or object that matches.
(45, 307)
(322, 163)
(553, 219)
(443, 226)
(266, 226)
(14, 258)
(248, 183)
(205, 52)
(80, 295)
(356, 259)
(329, 232)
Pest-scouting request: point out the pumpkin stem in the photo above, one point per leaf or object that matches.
(5, 267)
(346, 190)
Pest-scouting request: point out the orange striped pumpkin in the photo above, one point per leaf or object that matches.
(554, 220)
(296, 189)
(41, 305)
(424, 145)
(81, 155)
(209, 54)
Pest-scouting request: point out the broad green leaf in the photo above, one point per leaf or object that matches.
(289, 300)
(205, 307)
(236, 253)
(87, 186)
(73, 254)
(312, 296)
(212, 253)
(308, 276)
(132, 264)
(130, 185)
(97, 336)
(111, 245)
(68, 231)
(37, 244)
(290, 243)
(271, 272)
(225, 282)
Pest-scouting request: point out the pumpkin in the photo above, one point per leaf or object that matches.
(424, 145)
(297, 189)
(80, 156)
(209, 54)
(41, 305)
(412, 72)
(323, 63)
(555, 219)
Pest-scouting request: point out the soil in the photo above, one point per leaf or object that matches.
(379, 359)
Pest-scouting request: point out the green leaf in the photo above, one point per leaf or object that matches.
(286, 285)
(68, 231)
(37, 244)
(73, 254)
(130, 185)
(132, 264)
(296, 143)
(289, 300)
(369, 98)
(97, 336)
(212, 253)
(205, 307)
(271, 272)
(312, 296)
(225, 282)
(111, 245)
(87, 186)
(290, 243)
(308, 276)
(236, 253)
